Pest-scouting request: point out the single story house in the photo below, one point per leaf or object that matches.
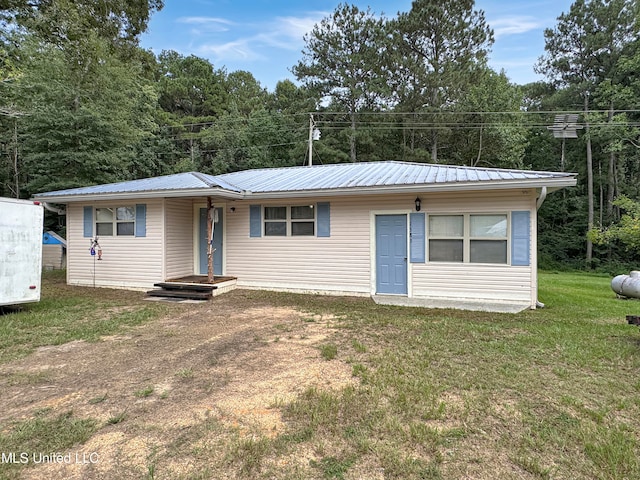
(419, 233)
(54, 251)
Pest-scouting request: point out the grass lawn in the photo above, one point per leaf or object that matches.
(551, 393)
(69, 313)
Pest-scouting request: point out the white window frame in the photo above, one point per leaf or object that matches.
(115, 222)
(266, 221)
(289, 220)
(467, 238)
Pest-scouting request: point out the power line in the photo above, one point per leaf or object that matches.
(405, 115)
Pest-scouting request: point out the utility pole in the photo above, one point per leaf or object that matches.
(314, 134)
(310, 139)
(589, 256)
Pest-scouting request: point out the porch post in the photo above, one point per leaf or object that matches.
(209, 240)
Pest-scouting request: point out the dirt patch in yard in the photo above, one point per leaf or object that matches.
(209, 374)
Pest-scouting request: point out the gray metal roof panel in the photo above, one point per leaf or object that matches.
(178, 181)
(374, 174)
(342, 176)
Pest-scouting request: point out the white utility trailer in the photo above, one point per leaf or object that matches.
(20, 251)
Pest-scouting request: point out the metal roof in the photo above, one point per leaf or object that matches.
(178, 181)
(375, 174)
(322, 180)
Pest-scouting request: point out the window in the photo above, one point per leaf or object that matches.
(471, 238)
(275, 221)
(104, 222)
(294, 221)
(120, 220)
(488, 239)
(446, 238)
(303, 221)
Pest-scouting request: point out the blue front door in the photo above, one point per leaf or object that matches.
(217, 243)
(391, 254)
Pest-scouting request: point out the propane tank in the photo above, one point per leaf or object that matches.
(627, 285)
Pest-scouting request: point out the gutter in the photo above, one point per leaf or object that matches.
(93, 197)
(417, 188)
(546, 185)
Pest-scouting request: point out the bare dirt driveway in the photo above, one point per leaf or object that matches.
(172, 395)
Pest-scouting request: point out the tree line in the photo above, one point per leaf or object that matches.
(81, 103)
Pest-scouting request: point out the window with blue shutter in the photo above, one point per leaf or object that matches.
(417, 228)
(521, 238)
(141, 220)
(255, 221)
(88, 222)
(324, 219)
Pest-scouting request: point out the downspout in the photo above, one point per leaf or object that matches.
(541, 199)
(59, 211)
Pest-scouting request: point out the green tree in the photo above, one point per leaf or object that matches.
(245, 92)
(190, 86)
(290, 99)
(80, 131)
(192, 94)
(342, 62)
(582, 52)
(440, 46)
(65, 21)
(626, 231)
(87, 103)
(493, 130)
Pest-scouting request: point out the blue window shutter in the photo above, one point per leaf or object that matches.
(417, 237)
(255, 221)
(324, 220)
(521, 238)
(88, 222)
(141, 220)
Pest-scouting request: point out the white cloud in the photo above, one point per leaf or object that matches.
(296, 27)
(283, 33)
(204, 20)
(206, 25)
(514, 25)
(237, 50)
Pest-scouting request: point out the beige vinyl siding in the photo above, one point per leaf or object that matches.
(127, 261)
(345, 263)
(472, 280)
(53, 257)
(178, 238)
(340, 263)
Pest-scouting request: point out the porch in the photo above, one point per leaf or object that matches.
(193, 287)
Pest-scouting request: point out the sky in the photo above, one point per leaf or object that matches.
(266, 38)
